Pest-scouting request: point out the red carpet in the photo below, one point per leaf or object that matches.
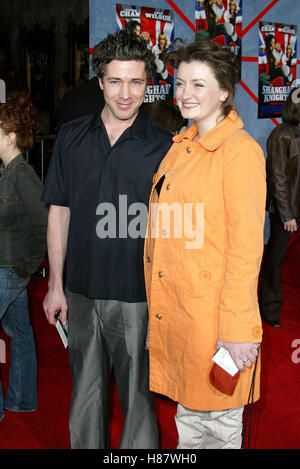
(275, 419)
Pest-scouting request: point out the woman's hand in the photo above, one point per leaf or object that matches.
(242, 354)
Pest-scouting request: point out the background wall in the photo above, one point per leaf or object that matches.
(102, 22)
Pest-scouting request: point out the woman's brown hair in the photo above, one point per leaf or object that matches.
(18, 115)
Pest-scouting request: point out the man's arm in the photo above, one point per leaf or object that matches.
(57, 234)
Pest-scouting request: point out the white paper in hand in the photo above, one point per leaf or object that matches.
(224, 360)
(63, 332)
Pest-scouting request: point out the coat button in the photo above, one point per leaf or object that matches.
(148, 259)
(160, 274)
(257, 331)
(164, 232)
(158, 316)
(188, 149)
(168, 186)
(205, 275)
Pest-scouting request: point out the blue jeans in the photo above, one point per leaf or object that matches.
(22, 392)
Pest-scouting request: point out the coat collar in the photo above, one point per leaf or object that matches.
(210, 141)
(17, 159)
(215, 137)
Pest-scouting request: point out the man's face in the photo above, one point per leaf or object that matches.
(124, 86)
(137, 29)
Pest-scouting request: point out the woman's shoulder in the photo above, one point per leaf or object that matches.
(25, 172)
(243, 149)
(242, 139)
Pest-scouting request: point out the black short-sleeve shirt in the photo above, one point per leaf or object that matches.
(107, 190)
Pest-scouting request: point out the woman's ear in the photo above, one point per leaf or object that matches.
(224, 95)
(11, 138)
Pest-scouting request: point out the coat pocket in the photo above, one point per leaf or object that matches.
(9, 210)
(196, 277)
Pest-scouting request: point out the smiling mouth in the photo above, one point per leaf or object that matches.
(189, 105)
(125, 104)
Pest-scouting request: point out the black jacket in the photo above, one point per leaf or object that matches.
(283, 172)
(23, 218)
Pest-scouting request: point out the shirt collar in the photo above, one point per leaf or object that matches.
(138, 128)
(14, 161)
(216, 136)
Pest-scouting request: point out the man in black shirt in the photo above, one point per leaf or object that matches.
(98, 185)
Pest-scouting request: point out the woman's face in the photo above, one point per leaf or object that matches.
(3, 143)
(232, 7)
(7, 144)
(289, 50)
(199, 95)
(162, 42)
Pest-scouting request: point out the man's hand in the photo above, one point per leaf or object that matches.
(290, 225)
(242, 354)
(148, 336)
(54, 302)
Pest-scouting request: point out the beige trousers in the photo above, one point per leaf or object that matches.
(209, 430)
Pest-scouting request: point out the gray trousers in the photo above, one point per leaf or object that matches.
(103, 334)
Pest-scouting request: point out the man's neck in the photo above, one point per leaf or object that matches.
(115, 127)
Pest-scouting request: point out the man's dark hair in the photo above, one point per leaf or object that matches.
(124, 45)
(131, 25)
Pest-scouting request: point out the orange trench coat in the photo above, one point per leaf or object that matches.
(202, 283)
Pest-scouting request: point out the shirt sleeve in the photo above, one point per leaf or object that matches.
(55, 190)
(244, 186)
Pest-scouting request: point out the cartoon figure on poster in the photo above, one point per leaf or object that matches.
(156, 26)
(220, 21)
(277, 66)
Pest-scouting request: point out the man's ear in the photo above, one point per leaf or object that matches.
(100, 83)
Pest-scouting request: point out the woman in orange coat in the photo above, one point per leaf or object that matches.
(203, 252)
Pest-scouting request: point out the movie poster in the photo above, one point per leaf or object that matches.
(220, 21)
(277, 61)
(156, 26)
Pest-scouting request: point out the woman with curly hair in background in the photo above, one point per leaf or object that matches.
(23, 221)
